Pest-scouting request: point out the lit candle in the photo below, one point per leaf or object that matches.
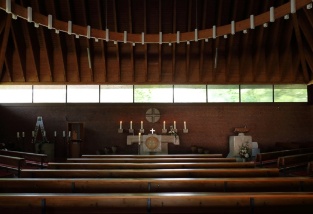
(44, 133)
(163, 124)
(63, 133)
(120, 124)
(131, 125)
(33, 134)
(69, 134)
(18, 134)
(185, 126)
(139, 134)
(174, 124)
(23, 134)
(141, 126)
(55, 133)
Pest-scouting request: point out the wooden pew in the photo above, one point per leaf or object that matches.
(14, 164)
(157, 156)
(30, 158)
(272, 157)
(149, 173)
(196, 165)
(145, 185)
(291, 161)
(189, 202)
(310, 168)
(148, 160)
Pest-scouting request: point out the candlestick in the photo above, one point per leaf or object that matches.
(174, 124)
(69, 134)
(63, 133)
(33, 134)
(120, 124)
(185, 126)
(44, 133)
(55, 133)
(139, 134)
(163, 124)
(131, 125)
(23, 134)
(17, 134)
(141, 125)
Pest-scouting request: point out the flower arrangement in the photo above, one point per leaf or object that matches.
(245, 151)
(172, 131)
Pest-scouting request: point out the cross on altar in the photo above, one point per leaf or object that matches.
(152, 130)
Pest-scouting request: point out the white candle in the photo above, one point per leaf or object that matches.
(55, 133)
(69, 134)
(185, 127)
(139, 134)
(131, 125)
(163, 124)
(174, 124)
(33, 134)
(23, 134)
(141, 125)
(18, 134)
(120, 124)
(63, 133)
(44, 133)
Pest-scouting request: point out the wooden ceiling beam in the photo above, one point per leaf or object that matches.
(4, 42)
(88, 45)
(20, 47)
(117, 45)
(306, 29)
(230, 45)
(75, 46)
(46, 46)
(187, 73)
(60, 43)
(204, 9)
(160, 46)
(174, 44)
(132, 60)
(8, 62)
(244, 65)
(216, 42)
(103, 43)
(285, 52)
(145, 32)
(300, 48)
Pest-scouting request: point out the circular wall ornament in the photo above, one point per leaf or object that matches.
(152, 143)
(153, 115)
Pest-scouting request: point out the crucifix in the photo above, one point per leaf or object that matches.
(152, 130)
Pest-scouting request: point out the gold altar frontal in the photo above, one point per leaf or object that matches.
(152, 143)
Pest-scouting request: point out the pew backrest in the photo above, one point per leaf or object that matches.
(291, 161)
(30, 158)
(157, 156)
(310, 168)
(195, 165)
(12, 163)
(148, 160)
(145, 185)
(149, 173)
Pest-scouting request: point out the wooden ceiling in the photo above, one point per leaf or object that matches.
(278, 54)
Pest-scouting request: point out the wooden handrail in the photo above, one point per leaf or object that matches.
(12, 163)
(157, 156)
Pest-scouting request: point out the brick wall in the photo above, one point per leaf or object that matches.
(210, 125)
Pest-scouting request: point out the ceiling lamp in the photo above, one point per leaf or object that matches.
(272, 14)
(29, 14)
(8, 6)
(233, 27)
(292, 6)
(252, 25)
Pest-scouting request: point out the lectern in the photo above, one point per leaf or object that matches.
(75, 139)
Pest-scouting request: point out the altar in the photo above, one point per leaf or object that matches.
(152, 143)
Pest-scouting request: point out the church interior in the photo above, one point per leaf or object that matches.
(156, 156)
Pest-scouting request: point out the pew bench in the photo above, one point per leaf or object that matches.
(33, 159)
(149, 173)
(12, 165)
(146, 185)
(150, 203)
(147, 160)
(272, 157)
(292, 161)
(157, 156)
(194, 165)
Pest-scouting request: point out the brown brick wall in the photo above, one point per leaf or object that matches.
(210, 125)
